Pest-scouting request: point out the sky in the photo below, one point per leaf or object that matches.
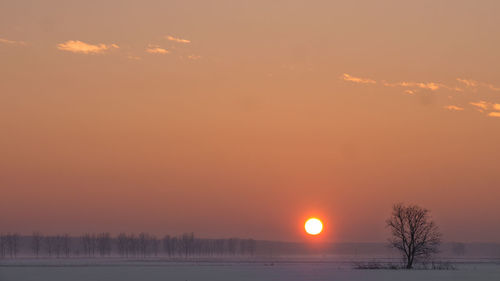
(243, 118)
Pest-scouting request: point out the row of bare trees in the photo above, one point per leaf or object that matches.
(124, 245)
(96, 244)
(9, 245)
(186, 245)
(142, 245)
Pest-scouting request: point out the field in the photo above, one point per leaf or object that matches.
(287, 270)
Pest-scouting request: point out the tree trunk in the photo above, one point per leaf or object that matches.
(409, 264)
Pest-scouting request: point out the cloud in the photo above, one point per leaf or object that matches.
(178, 40)
(350, 78)
(132, 57)
(454, 108)
(428, 86)
(473, 84)
(480, 105)
(469, 89)
(194, 57)
(155, 49)
(492, 87)
(11, 42)
(432, 86)
(468, 82)
(85, 48)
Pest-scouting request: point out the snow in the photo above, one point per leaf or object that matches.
(121, 270)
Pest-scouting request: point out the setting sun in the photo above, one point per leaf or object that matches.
(313, 226)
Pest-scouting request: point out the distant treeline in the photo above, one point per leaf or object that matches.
(143, 245)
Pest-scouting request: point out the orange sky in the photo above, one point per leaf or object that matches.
(242, 118)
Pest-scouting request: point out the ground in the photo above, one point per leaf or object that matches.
(287, 270)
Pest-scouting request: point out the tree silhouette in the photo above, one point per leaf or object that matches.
(414, 234)
(36, 243)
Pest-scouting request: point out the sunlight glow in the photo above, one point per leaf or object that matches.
(313, 226)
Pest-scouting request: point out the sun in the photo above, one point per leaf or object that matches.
(313, 226)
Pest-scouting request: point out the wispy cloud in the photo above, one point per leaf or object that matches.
(422, 85)
(194, 57)
(430, 86)
(454, 108)
(480, 105)
(484, 106)
(178, 40)
(155, 49)
(468, 82)
(76, 46)
(350, 78)
(492, 87)
(476, 84)
(476, 88)
(12, 42)
(132, 57)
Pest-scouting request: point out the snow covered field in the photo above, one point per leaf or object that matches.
(111, 270)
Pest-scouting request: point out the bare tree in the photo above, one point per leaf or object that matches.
(143, 244)
(121, 241)
(104, 244)
(89, 243)
(414, 233)
(252, 245)
(36, 243)
(187, 243)
(168, 245)
(16, 243)
(132, 245)
(66, 244)
(3, 245)
(9, 244)
(155, 245)
(49, 244)
(58, 245)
